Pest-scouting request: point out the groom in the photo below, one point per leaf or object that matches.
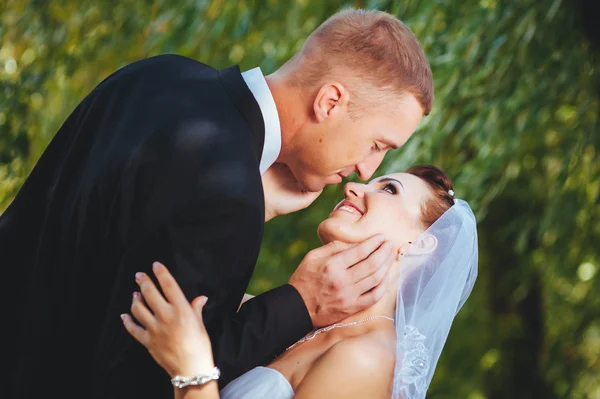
(163, 161)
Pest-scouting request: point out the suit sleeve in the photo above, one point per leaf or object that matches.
(213, 253)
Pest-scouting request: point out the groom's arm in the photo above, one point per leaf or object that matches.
(211, 248)
(223, 249)
(262, 329)
(213, 254)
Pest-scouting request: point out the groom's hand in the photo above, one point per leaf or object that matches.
(283, 193)
(338, 279)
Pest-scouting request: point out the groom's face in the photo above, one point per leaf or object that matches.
(334, 145)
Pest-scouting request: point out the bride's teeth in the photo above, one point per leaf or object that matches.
(349, 209)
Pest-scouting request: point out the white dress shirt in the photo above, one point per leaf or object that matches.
(257, 84)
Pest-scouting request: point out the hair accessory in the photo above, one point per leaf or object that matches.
(451, 192)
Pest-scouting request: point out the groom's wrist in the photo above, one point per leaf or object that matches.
(300, 308)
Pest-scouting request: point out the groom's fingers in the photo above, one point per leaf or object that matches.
(373, 296)
(358, 253)
(329, 250)
(327, 277)
(375, 279)
(369, 272)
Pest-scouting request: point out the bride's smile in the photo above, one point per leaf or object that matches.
(350, 207)
(390, 205)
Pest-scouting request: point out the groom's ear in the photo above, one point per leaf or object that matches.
(331, 100)
(425, 244)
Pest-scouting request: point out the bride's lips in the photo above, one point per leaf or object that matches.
(350, 207)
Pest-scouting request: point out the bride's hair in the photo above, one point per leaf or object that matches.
(442, 188)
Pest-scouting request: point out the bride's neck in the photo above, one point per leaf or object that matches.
(385, 307)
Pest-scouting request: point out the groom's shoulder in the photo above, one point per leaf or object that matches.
(175, 59)
(163, 68)
(168, 63)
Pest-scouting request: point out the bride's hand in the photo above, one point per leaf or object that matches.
(283, 193)
(171, 329)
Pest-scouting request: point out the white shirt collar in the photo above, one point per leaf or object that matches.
(257, 84)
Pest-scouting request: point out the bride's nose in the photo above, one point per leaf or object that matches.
(354, 190)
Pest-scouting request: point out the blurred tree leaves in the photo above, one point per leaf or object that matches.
(515, 124)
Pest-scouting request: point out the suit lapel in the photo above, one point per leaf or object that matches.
(235, 86)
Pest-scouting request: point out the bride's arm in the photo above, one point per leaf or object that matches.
(173, 331)
(208, 391)
(354, 368)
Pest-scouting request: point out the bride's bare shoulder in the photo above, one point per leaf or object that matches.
(355, 367)
(366, 351)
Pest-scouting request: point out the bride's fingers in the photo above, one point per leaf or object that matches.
(198, 306)
(152, 295)
(141, 312)
(169, 286)
(134, 330)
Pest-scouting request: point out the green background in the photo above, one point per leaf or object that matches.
(515, 124)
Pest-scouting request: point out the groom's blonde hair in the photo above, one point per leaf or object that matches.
(372, 50)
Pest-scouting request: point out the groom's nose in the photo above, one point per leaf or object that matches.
(366, 168)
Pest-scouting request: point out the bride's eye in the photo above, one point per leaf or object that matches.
(390, 188)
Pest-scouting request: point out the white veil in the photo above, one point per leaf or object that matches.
(433, 286)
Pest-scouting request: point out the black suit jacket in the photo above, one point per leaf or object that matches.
(159, 162)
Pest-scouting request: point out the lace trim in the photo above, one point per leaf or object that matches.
(414, 365)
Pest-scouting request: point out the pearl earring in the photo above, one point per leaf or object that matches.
(402, 252)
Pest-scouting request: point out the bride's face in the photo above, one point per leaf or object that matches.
(390, 205)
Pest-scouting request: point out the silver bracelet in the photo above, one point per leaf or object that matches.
(199, 379)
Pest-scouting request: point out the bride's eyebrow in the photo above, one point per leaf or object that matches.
(388, 179)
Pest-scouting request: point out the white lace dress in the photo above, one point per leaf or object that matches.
(259, 383)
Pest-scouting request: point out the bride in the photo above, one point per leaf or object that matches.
(388, 350)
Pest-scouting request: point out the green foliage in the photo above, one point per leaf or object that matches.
(515, 124)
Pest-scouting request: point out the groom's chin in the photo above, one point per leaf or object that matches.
(312, 185)
(307, 182)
